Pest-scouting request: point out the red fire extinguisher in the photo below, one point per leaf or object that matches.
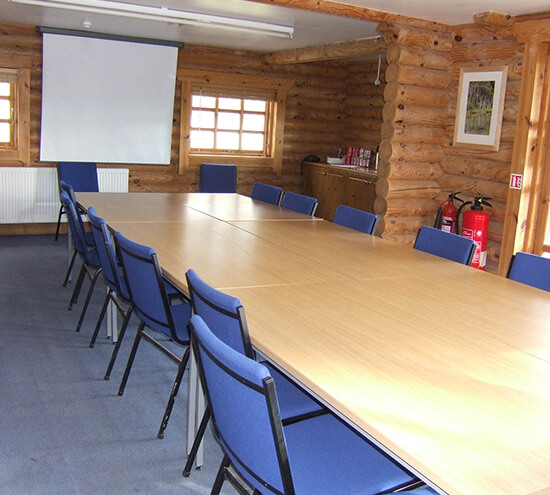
(446, 214)
(475, 225)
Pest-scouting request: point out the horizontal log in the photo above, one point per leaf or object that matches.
(472, 187)
(487, 50)
(415, 133)
(417, 76)
(468, 33)
(405, 225)
(514, 65)
(412, 36)
(415, 115)
(410, 170)
(503, 155)
(418, 57)
(336, 104)
(405, 239)
(405, 207)
(471, 167)
(416, 152)
(393, 188)
(407, 94)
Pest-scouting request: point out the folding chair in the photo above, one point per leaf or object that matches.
(445, 245)
(299, 202)
(353, 218)
(316, 456)
(218, 178)
(153, 306)
(530, 269)
(267, 193)
(226, 317)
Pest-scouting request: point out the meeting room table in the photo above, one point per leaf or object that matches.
(444, 367)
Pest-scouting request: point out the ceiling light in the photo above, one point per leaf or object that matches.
(164, 15)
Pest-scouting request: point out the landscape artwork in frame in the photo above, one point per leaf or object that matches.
(479, 108)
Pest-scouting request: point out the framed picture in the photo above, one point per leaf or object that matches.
(479, 107)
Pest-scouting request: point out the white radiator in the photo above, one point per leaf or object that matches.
(30, 194)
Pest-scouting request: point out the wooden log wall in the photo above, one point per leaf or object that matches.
(415, 116)
(316, 122)
(488, 172)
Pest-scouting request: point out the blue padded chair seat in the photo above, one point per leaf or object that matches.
(327, 457)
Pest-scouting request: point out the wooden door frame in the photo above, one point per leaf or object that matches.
(529, 156)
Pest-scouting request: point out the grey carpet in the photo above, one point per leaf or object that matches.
(63, 429)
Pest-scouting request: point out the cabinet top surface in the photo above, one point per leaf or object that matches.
(370, 172)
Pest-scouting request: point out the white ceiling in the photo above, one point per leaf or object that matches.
(310, 29)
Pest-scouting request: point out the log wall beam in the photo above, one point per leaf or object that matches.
(367, 47)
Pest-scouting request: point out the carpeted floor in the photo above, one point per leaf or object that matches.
(63, 428)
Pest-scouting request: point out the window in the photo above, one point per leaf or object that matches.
(14, 115)
(231, 118)
(7, 113)
(230, 124)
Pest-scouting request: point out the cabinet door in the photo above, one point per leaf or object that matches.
(360, 193)
(335, 189)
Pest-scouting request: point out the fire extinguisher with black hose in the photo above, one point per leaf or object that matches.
(446, 213)
(475, 225)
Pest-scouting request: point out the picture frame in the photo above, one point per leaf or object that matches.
(480, 105)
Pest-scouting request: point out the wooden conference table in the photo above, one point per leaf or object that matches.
(445, 367)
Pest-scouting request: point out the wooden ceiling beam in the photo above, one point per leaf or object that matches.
(494, 19)
(355, 12)
(335, 51)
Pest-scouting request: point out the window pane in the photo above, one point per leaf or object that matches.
(254, 105)
(202, 139)
(252, 142)
(202, 119)
(4, 132)
(227, 141)
(4, 89)
(203, 101)
(253, 122)
(5, 111)
(229, 103)
(227, 120)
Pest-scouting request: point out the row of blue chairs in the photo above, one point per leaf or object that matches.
(312, 452)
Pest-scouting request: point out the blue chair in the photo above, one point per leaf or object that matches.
(267, 193)
(353, 218)
(530, 269)
(91, 265)
(88, 237)
(225, 316)
(299, 202)
(218, 178)
(153, 306)
(117, 292)
(315, 456)
(445, 244)
(81, 176)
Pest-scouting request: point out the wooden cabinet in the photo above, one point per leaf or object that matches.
(333, 186)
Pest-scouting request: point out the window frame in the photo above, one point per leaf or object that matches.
(237, 84)
(19, 151)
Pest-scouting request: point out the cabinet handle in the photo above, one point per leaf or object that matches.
(366, 181)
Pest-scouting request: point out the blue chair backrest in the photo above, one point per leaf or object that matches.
(241, 397)
(107, 254)
(530, 269)
(218, 178)
(445, 244)
(224, 314)
(77, 229)
(145, 283)
(267, 193)
(299, 202)
(81, 176)
(353, 218)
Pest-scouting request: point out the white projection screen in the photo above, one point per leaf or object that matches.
(106, 101)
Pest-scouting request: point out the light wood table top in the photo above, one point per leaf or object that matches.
(233, 207)
(138, 207)
(445, 366)
(223, 254)
(466, 410)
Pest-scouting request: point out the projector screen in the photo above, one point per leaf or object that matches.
(106, 101)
